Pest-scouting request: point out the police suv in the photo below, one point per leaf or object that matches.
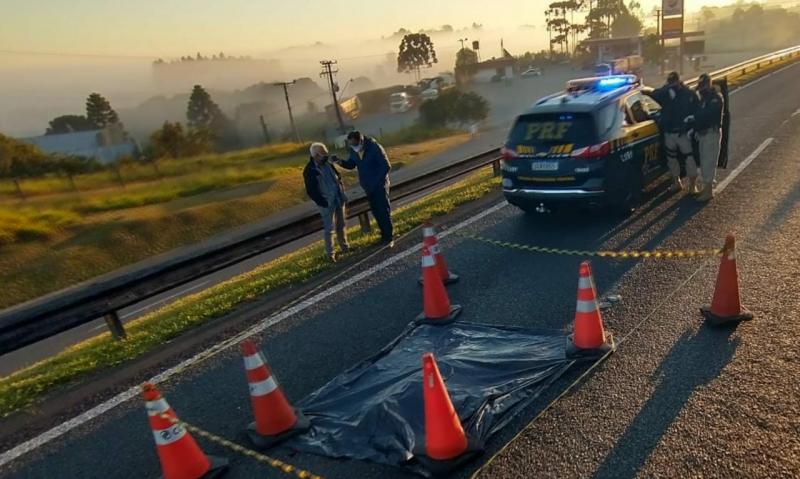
(596, 143)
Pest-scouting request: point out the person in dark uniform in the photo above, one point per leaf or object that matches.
(678, 105)
(373, 165)
(707, 128)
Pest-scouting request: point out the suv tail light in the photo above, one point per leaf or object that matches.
(593, 151)
(509, 153)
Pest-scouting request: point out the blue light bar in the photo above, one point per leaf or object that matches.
(612, 82)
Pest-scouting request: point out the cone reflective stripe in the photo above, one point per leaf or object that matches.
(444, 435)
(179, 454)
(430, 240)
(588, 335)
(435, 302)
(272, 411)
(726, 304)
(275, 419)
(588, 332)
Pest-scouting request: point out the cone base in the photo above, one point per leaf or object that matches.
(574, 352)
(716, 320)
(455, 310)
(219, 466)
(302, 425)
(443, 468)
(453, 278)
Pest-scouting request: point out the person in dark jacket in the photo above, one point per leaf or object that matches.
(325, 188)
(373, 175)
(707, 127)
(678, 106)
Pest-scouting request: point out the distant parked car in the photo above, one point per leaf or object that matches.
(430, 94)
(400, 102)
(532, 72)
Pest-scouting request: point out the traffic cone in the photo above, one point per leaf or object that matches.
(726, 306)
(430, 240)
(180, 456)
(446, 445)
(588, 339)
(276, 420)
(436, 305)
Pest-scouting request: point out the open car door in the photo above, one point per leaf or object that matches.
(722, 86)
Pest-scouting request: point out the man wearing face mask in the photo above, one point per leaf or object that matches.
(708, 124)
(324, 187)
(373, 175)
(678, 106)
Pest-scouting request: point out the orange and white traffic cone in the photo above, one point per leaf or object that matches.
(436, 305)
(446, 445)
(588, 338)
(430, 240)
(275, 419)
(726, 306)
(180, 456)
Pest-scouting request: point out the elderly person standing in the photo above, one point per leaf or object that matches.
(324, 187)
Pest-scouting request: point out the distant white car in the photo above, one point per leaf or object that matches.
(532, 72)
(399, 102)
(430, 94)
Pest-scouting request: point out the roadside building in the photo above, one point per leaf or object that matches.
(105, 146)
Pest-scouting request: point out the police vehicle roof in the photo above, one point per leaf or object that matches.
(586, 94)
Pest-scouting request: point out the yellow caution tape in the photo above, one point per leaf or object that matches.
(262, 458)
(601, 254)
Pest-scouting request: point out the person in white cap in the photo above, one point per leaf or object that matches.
(325, 188)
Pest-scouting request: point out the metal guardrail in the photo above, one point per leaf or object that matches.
(60, 311)
(52, 314)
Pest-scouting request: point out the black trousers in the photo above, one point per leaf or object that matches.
(382, 211)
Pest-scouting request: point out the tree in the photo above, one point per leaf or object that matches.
(652, 51)
(99, 111)
(454, 106)
(207, 124)
(68, 124)
(416, 51)
(169, 141)
(626, 25)
(202, 112)
(465, 57)
(19, 159)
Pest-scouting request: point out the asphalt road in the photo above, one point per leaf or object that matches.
(506, 104)
(676, 400)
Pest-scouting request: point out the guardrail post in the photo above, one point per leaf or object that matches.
(496, 168)
(363, 221)
(115, 325)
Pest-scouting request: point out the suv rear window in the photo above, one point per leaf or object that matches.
(544, 130)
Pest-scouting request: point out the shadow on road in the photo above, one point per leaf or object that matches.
(695, 360)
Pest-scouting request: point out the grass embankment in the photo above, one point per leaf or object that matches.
(56, 240)
(26, 386)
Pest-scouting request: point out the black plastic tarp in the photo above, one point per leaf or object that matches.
(374, 411)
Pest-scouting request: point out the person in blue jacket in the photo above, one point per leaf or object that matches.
(369, 157)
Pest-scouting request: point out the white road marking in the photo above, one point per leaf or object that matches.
(54, 433)
(733, 174)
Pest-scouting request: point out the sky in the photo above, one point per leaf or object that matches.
(176, 27)
(54, 52)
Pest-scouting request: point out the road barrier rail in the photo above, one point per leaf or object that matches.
(104, 296)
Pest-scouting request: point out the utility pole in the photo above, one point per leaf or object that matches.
(285, 86)
(660, 41)
(328, 71)
(264, 130)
